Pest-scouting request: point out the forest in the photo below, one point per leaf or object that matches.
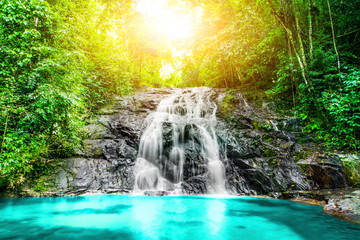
(61, 60)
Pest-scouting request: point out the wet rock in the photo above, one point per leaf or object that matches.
(351, 164)
(93, 148)
(123, 150)
(195, 186)
(308, 201)
(345, 206)
(122, 131)
(327, 176)
(236, 149)
(195, 164)
(151, 104)
(156, 193)
(109, 149)
(242, 164)
(92, 174)
(325, 171)
(98, 131)
(258, 181)
(287, 136)
(292, 125)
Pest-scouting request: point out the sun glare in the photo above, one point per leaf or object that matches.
(173, 22)
(166, 70)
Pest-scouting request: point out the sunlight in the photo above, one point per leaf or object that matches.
(166, 70)
(173, 22)
(113, 33)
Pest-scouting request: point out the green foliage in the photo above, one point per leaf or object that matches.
(255, 142)
(273, 162)
(237, 46)
(42, 185)
(327, 102)
(56, 67)
(61, 60)
(38, 107)
(227, 105)
(352, 173)
(99, 58)
(343, 108)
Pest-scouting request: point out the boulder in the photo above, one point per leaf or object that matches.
(326, 171)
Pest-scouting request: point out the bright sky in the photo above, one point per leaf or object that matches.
(173, 21)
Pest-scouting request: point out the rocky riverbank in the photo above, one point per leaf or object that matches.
(341, 203)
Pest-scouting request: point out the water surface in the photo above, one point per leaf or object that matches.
(178, 217)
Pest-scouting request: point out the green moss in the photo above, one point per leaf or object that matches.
(267, 138)
(352, 173)
(108, 109)
(256, 125)
(274, 162)
(269, 152)
(266, 127)
(227, 106)
(262, 126)
(280, 125)
(43, 184)
(301, 155)
(304, 169)
(255, 142)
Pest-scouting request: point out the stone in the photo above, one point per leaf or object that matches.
(292, 125)
(93, 148)
(325, 171)
(97, 131)
(194, 186)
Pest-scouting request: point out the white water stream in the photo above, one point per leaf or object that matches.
(182, 110)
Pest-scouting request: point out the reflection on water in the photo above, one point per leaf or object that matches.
(143, 217)
(215, 214)
(145, 213)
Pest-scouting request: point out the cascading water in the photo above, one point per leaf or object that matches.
(180, 142)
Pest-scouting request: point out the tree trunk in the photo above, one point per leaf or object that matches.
(334, 40)
(291, 68)
(232, 72)
(300, 42)
(302, 63)
(311, 50)
(6, 124)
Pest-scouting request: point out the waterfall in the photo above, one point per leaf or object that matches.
(180, 142)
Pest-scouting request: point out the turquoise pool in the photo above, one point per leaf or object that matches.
(178, 217)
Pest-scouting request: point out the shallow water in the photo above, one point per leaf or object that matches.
(178, 217)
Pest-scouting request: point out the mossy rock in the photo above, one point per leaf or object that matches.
(267, 152)
(227, 105)
(267, 138)
(93, 148)
(274, 162)
(109, 109)
(304, 169)
(43, 184)
(301, 155)
(95, 131)
(351, 164)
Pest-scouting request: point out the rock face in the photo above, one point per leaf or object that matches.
(105, 163)
(261, 152)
